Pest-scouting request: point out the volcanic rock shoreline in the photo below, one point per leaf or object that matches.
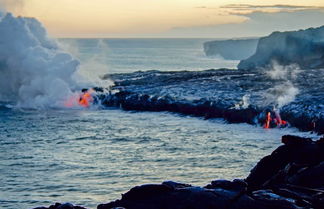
(292, 177)
(234, 95)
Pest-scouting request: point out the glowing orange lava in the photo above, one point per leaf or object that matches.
(276, 121)
(279, 122)
(283, 122)
(85, 99)
(268, 120)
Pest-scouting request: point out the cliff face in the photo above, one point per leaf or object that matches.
(303, 47)
(231, 49)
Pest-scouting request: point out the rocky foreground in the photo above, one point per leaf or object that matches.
(292, 177)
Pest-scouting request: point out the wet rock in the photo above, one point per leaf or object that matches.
(146, 191)
(312, 177)
(197, 198)
(235, 185)
(175, 185)
(61, 206)
(276, 201)
(296, 150)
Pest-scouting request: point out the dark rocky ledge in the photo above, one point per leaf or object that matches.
(292, 177)
(220, 94)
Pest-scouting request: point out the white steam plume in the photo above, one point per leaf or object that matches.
(34, 71)
(283, 91)
(11, 5)
(94, 67)
(282, 94)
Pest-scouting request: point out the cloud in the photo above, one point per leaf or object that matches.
(276, 6)
(256, 24)
(243, 9)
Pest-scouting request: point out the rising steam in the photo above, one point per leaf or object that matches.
(94, 67)
(284, 90)
(35, 72)
(11, 5)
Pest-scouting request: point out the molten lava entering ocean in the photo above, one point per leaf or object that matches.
(84, 99)
(273, 122)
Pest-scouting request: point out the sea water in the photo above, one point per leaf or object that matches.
(130, 55)
(92, 156)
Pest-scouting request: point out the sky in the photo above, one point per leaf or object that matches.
(169, 18)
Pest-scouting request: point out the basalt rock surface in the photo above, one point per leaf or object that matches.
(237, 96)
(62, 206)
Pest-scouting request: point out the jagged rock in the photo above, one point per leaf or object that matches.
(197, 198)
(296, 150)
(312, 177)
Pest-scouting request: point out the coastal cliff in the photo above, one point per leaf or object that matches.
(304, 48)
(234, 49)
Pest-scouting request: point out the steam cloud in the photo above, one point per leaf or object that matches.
(10, 5)
(94, 67)
(34, 71)
(284, 91)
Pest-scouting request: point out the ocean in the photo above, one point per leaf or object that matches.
(130, 55)
(91, 156)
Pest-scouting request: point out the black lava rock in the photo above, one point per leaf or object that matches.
(62, 206)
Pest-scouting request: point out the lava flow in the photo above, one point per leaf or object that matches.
(279, 122)
(268, 120)
(84, 99)
(274, 122)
